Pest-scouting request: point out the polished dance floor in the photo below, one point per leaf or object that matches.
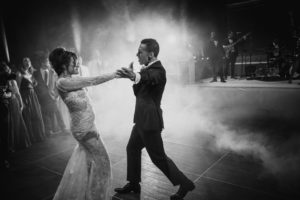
(223, 161)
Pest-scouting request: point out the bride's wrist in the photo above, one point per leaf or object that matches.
(115, 75)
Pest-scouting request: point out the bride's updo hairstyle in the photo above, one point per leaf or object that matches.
(60, 58)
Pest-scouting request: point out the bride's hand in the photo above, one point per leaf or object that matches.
(119, 74)
(116, 75)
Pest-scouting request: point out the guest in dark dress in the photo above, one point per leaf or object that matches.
(32, 110)
(18, 137)
(52, 117)
(5, 95)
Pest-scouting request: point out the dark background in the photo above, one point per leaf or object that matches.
(35, 25)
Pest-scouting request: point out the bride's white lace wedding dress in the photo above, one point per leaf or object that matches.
(88, 172)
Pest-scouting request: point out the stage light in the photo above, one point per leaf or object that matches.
(76, 27)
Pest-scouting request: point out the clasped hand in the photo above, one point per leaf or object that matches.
(126, 72)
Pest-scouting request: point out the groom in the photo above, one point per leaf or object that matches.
(148, 88)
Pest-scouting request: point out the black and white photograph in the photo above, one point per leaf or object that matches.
(149, 100)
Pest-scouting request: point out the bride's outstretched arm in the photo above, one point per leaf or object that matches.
(75, 83)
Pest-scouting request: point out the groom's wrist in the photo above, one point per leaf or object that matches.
(137, 78)
(133, 76)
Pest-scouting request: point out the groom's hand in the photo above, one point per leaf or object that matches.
(124, 73)
(131, 66)
(128, 72)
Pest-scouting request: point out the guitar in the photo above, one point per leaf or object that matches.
(229, 48)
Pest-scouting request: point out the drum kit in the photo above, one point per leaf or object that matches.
(280, 61)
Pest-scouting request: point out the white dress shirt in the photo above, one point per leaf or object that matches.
(138, 75)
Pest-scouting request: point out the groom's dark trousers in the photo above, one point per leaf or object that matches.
(148, 127)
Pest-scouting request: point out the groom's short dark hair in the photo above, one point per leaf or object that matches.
(152, 45)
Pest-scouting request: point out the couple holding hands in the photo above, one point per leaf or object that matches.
(88, 172)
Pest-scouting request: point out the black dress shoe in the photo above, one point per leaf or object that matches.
(183, 190)
(129, 187)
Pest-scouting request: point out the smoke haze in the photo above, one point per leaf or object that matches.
(231, 119)
(251, 122)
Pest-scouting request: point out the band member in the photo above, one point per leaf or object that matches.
(231, 53)
(276, 51)
(295, 66)
(215, 53)
(275, 55)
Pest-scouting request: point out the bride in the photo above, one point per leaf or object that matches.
(88, 172)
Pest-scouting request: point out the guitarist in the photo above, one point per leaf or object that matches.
(275, 58)
(231, 53)
(296, 61)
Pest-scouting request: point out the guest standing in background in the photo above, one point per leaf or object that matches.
(5, 95)
(61, 114)
(83, 70)
(51, 115)
(18, 137)
(32, 110)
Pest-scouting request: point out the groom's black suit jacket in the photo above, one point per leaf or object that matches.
(148, 92)
(148, 126)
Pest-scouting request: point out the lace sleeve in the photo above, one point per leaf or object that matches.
(75, 83)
